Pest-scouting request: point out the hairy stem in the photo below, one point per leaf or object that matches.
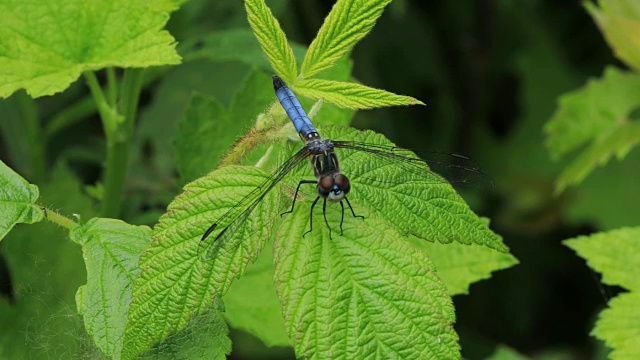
(59, 219)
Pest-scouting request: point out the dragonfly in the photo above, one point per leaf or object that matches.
(331, 184)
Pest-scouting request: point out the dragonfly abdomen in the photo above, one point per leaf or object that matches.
(294, 109)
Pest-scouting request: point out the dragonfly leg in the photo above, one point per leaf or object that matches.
(324, 214)
(342, 217)
(296, 194)
(353, 212)
(311, 216)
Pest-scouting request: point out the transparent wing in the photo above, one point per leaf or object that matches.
(234, 218)
(431, 167)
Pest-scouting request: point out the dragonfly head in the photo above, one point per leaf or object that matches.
(334, 187)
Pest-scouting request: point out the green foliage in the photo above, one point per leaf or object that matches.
(617, 20)
(374, 287)
(598, 115)
(272, 39)
(44, 47)
(17, 201)
(347, 23)
(110, 250)
(365, 293)
(616, 255)
(352, 96)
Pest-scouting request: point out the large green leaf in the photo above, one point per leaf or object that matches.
(616, 254)
(364, 294)
(17, 201)
(178, 278)
(598, 115)
(45, 45)
(110, 250)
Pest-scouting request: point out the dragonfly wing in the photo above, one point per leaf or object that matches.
(431, 168)
(234, 219)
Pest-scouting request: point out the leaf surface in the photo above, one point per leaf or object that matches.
(616, 254)
(17, 201)
(45, 45)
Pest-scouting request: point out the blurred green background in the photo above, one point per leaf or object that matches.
(490, 72)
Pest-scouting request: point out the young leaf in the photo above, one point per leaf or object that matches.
(17, 201)
(272, 39)
(38, 55)
(178, 276)
(616, 254)
(617, 19)
(110, 249)
(347, 23)
(598, 114)
(351, 96)
(363, 294)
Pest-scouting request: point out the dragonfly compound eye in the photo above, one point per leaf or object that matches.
(343, 183)
(325, 186)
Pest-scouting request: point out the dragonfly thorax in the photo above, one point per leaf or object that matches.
(334, 187)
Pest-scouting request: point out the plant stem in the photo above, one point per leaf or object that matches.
(59, 219)
(118, 128)
(29, 115)
(112, 86)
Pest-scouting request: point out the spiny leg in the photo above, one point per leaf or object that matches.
(353, 212)
(296, 194)
(311, 216)
(324, 214)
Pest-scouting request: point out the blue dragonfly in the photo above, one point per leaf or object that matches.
(331, 184)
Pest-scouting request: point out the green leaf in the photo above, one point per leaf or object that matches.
(616, 254)
(351, 96)
(365, 293)
(177, 278)
(251, 304)
(347, 23)
(461, 265)
(46, 45)
(598, 114)
(17, 201)
(617, 19)
(208, 130)
(428, 208)
(619, 326)
(272, 39)
(110, 249)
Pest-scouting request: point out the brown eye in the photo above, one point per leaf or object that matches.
(326, 182)
(342, 182)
